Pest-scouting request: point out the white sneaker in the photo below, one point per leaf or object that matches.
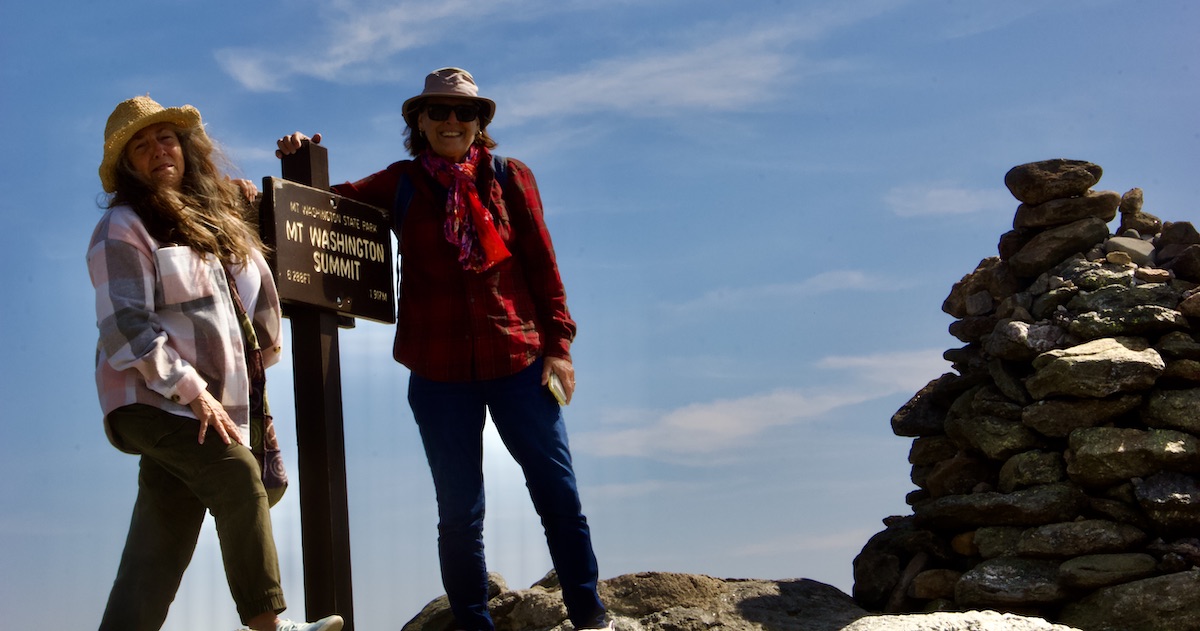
(330, 623)
(611, 626)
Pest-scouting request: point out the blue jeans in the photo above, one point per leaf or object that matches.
(450, 416)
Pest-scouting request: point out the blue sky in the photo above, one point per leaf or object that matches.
(758, 208)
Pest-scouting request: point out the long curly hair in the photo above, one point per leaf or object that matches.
(209, 213)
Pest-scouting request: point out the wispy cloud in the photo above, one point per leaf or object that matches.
(715, 76)
(360, 44)
(942, 199)
(756, 296)
(902, 371)
(976, 18)
(803, 542)
(701, 67)
(722, 428)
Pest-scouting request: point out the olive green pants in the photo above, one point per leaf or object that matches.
(179, 479)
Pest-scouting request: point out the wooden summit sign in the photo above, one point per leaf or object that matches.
(328, 251)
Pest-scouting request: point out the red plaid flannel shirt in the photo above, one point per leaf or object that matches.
(456, 325)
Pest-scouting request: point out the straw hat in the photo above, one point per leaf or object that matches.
(452, 82)
(129, 118)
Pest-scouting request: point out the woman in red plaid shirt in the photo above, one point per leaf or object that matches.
(483, 326)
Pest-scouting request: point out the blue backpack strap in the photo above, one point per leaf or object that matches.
(500, 167)
(404, 195)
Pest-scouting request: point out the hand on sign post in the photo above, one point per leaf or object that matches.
(291, 144)
(249, 189)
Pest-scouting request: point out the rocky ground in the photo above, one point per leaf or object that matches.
(661, 601)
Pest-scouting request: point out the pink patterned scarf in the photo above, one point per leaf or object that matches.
(469, 224)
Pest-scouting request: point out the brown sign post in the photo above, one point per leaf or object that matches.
(332, 260)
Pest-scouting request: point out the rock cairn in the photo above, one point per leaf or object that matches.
(1058, 470)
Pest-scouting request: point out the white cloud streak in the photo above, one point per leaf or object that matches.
(941, 199)
(697, 71)
(724, 427)
(756, 296)
(803, 542)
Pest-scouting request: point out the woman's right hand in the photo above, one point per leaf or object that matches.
(291, 144)
(210, 412)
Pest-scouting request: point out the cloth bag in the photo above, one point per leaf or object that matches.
(263, 443)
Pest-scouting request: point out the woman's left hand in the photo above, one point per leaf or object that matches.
(212, 414)
(248, 188)
(565, 371)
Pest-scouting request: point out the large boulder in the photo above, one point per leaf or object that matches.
(1103, 456)
(1162, 603)
(1039, 182)
(666, 601)
(1047, 249)
(1096, 369)
(1056, 212)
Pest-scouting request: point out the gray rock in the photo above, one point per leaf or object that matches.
(1007, 581)
(998, 438)
(998, 541)
(1096, 369)
(1039, 182)
(1057, 212)
(1190, 306)
(1034, 506)
(1078, 538)
(1022, 341)
(991, 278)
(1181, 373)
(972, 329)
(1009, 379)
(436, 615)
(930, 450)
(1140, 321)
(1173, 409)
(1186, 264)
(1187, 549)
(1032, 468)
(959, 475)
(1101, 570)
(877, 568)
(1012, 241)
(1115, 297)
(1057, 418)
(925, 413)
(1140, 252)
(1103, 456)
(654, 601)
(1047, 249)
(1161, 603)
(1088, 275)
(934, 584)
(1178, 345)
(1171, 500)
(1132, 202)
(1178, 233)
(964, 621)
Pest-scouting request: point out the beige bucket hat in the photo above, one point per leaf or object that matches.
(130, 117)
(452, 82)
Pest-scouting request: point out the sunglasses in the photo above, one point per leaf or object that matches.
(440, 112)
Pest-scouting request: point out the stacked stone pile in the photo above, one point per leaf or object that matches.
(1058, 470)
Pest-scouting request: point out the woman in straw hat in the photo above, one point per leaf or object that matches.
(483, 327)
(188, 318)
